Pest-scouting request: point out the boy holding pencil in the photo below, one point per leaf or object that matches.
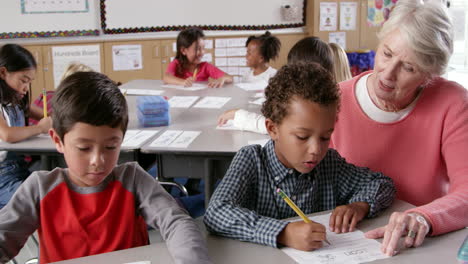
(301, 107)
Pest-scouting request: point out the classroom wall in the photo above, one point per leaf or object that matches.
(157, 49)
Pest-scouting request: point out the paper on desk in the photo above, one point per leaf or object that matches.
(256, 86)
(346, 248)
(194, 87)
(135, 138)
(182, 101)
(212, 102)
(175, 139)
(259, 95)
(258, 101)
(141, 92)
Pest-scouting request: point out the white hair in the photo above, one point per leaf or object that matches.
(427, 27)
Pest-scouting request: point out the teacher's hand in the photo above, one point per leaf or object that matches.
(412, 226)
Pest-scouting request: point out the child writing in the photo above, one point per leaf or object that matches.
(71, 68)
(187, 66)
(95, 205)
(301, 106)
(17, 70)
(341, 63)
(309, 49)
(260, 50)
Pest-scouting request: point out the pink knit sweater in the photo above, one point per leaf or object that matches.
(426, 153)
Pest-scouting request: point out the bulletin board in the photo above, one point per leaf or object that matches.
(123, 16)
(49, 18)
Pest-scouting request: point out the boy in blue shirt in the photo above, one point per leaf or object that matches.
(301, 107)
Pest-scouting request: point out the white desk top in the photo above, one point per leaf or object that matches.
(440, 249)
(210, 141)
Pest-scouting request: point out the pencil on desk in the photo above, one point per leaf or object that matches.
(44, 102)
(295, 208)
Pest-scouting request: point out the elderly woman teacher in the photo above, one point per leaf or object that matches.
(406, 121)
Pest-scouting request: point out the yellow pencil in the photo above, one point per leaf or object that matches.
(44, 101)
(195, 74)
(295, 208)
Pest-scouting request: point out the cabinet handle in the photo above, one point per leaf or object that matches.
(36, 55)
(156, 52)
(48, 57)
(166, 49)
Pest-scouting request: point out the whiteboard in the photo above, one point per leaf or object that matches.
(15, 23)
(124, 16)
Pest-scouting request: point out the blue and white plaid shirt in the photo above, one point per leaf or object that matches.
(245, 205)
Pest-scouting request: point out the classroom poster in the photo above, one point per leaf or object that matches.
(348, 15)
(328, 13)
(54, 6)
(127, 57)
(378, 11)
(62, 56)
(338, 38)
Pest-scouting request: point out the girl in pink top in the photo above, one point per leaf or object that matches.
(187, 67)
(404, 120)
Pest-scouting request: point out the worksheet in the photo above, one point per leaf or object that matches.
(141, 92)
(194, 87)
(182, 101)
(258, 101)
(136, 138)
(175, 139)
(212, 102)
(344, 248)
(256, 86)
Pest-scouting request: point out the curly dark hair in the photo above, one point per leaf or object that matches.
(269, 45)
(307, 80)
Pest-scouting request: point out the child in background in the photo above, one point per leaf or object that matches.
(341, 63)
(17, 71)
(301, 107)
(94, 206)
(72, 68)
(75, 67)
(309, 49)
(260, 50)
(187, 66)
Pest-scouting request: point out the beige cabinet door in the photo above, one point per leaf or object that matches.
(167, 53)
(151, 61)
(39, 83)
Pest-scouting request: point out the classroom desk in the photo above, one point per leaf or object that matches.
(435, 250)
(42, 145)
(209, 155)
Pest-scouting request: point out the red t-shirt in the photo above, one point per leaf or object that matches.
(205, 70)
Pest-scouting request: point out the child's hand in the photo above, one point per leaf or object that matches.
(303, 236)
(345, 217)
(189, 82)
(45, 124)
(226, 116)
(216, 83)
